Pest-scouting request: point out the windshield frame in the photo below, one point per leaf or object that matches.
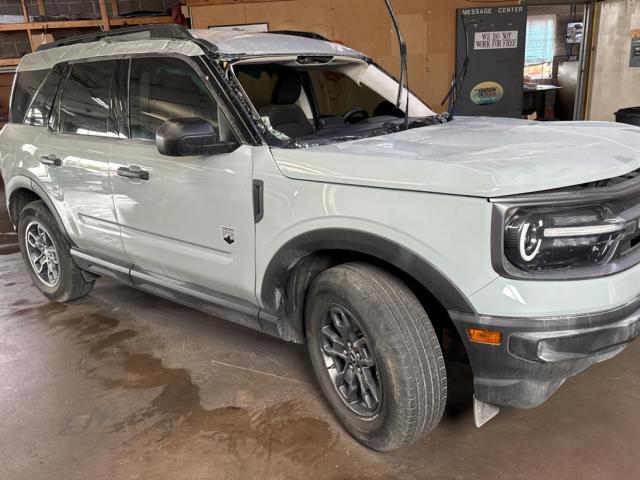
(425, 114)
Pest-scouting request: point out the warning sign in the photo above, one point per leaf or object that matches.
(495, 40)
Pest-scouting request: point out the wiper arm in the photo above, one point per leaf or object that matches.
(453, 94)
(404, 68)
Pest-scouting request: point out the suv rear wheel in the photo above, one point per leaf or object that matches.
(47, 255)
(376, 355)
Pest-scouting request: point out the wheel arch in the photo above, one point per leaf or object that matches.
(293, 268)
(21, 191)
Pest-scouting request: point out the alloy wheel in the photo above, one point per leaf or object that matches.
(350, 362)
(42, 254)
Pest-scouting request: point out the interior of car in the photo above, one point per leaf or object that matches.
(311, 101)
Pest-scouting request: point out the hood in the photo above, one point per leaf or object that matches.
(483, 157)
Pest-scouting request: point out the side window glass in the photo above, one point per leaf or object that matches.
(26, 86)
(164, 88)
(40, 109)
(85, 101)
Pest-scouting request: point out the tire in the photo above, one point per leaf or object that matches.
(410, 373)
(71, 283)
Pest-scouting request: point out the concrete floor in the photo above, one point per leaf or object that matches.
(125, 385)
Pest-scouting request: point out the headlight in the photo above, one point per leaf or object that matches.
(541, 239)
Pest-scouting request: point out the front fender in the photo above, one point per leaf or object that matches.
(421, 270)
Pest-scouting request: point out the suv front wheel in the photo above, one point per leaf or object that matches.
(47, 255)
(376, 355)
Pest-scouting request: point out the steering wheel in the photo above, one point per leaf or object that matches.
(351, 115)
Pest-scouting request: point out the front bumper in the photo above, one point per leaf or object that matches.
(537, 355)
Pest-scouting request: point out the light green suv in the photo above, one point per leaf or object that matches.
(270, 179)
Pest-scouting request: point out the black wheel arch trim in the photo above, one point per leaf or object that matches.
(278, 273)
(23, 182)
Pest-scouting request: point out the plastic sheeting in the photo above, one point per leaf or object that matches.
(234, 43)
(48, 58)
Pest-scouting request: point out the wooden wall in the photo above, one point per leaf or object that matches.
(428, 25)
(6, 81)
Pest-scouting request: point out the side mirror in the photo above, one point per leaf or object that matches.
(184, 137)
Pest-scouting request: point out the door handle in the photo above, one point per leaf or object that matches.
(51, 160)
(133, 171)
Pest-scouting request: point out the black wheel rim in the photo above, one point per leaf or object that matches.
(350, 362)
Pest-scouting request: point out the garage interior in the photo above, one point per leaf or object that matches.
(122, 384)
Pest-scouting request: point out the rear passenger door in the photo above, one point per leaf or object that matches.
(188, 223)
(74, 152)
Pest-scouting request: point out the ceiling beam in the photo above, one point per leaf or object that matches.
(25, 14)
(115, 11)
(104, 16)
(9, 27)
(118, 22)
(9, 62)
(198, 3)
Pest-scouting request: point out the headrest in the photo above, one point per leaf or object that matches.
(288, 89)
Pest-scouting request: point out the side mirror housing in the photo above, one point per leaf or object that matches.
(185, 137)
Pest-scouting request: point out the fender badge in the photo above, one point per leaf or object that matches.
(228, 235)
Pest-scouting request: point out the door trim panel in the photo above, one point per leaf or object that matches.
(222, 306)
(102, 266)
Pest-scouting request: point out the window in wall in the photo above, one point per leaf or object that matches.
(540, 48)
(84, 105)
(164, 88)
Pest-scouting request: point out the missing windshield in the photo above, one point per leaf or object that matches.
(318, 102)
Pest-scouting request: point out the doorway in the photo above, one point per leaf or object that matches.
(556, 61)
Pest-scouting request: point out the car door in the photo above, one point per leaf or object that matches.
(186, 222)
(75, 150)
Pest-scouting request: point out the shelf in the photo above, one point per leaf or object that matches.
(9, 62)
(118, 22)
(104, 22)
(12, 27)
(199, 3)
(130, 21)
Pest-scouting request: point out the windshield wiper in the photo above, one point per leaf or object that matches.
(404, 66)
(453, 94)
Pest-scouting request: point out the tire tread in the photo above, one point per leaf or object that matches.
(73, 287)
(411, 350)
(427, 362)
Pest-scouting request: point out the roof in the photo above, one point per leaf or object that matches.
(235, 42)
(176, 39)
(49, 57)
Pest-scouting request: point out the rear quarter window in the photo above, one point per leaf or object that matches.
(40, 109)
(25, 87)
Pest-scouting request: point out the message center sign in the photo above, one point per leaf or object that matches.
(494, 39)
